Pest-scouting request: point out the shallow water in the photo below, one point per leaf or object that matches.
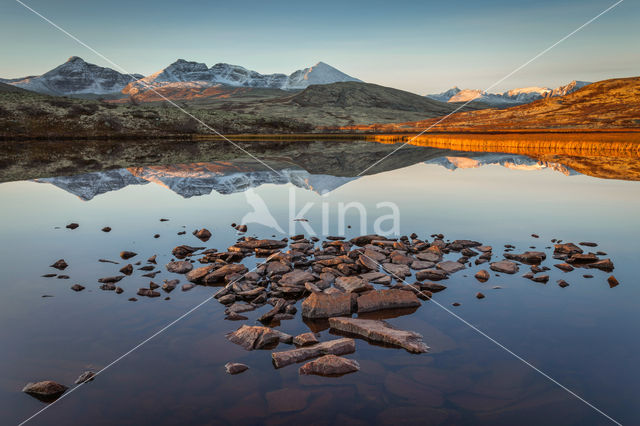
(583, 336)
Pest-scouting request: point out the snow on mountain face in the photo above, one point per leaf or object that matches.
(511, 97)
(510, 161)
(183, 71)
(76, 77)
(89, 185)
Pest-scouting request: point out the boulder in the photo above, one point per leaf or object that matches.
(330, 365)
(179, 267)
(450, 267)
(332, 347)
(45, 389)
(504, 266)
(296, 278)
(305, 339)
(323, 305)
(235, 367)
(379, 331)
(352, 284)
(253, 337)
(377, 300)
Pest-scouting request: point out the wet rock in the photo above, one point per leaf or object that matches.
(196, 275)
(612, 281)
(253, 337)
(232, 316)
(564, 267)
(219, 274)
(377, 300)
(588, 276)
(482, 275)
(540, 278)
(332, 347)
(504, 266)
(369, 276)
(562, 283)
(108, 286)
(202, 234)
(530, 257)
(170, 285)
(47, 390)
(114, 279)
(85, 377)
(179, 267)
(127, 270)
(127, 254)
(147, 292)
(277, 308)
(480, 295)
(77, 287)
(305, 339)
(63, 277)
(239, 307)
(108, 261)
(588, 244)
(330, 366)
(72, 226)
(187, 286)
(322, 305)
(106, 229)
(48, 275)
(363, 240)
(567, 248)
(604, 265)
(60, 264)
(379, 331)
(235, 367)
(261, 244)
(183, 251)
(277, 268)
(422, 264)
(429, 256)
(227, 299)
(583, 258)
(431, 274)
(296, 278)
(432, 287)
(119, 290)
(352, 284)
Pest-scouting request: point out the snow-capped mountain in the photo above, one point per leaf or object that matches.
(510, 161)
(192, 180)
(190, 72)
(74, 77)
(511, 97)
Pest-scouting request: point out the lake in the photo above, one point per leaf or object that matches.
(584, 336)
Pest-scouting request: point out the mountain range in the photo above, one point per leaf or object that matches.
(509, 98)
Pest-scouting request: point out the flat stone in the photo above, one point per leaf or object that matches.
(352, 284)
(372, 276)
(588, 244)
(330, 365)
(604, 265)
(540, 278)
(583, 258)
(429, 256)
(431, 274)
(432, 287)
(369, 262)
(219, 274)
(277, 268)
(380, 331)
(450, 267)
(422, 264)
(179, 267)
(261, 244)
(530, 257)
(377, 300)
(564, 267)
(253, 337)
(567, 248)
(398, 271)
(323, 305)
(332, 347)
(235, 367)
(504, 266)
(196, 275)
(305, 339)
(296, 278)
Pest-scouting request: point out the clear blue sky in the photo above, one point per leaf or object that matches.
(420, 46)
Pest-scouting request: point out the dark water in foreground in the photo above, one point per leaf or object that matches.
(584, 336)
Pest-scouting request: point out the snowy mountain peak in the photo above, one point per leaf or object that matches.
(75, 59)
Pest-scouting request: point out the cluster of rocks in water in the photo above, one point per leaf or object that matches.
(335, 279)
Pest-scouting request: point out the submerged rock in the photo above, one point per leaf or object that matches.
(380, 331)
(127, 254)
(85, 377)
(45, 390)
(530, 257)
(253, 337)
(60, 264)
(235, 367)
(504, 266)
(332, 347)
(179, 267)
(377, 300)
(322, 305)
(330, 365)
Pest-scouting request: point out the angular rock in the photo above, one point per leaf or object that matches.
(45, 389)
(111, 279)
(429, 256)
(330, 366)
(127, 270)
(612, 281)
(482, 275)
(85, 377)
(504, 266)
(398, 271)
(564, 267)
(352, 284)
(540, 278)
(604, 265)
(235, 367)
(480, 295)
(305, 339)
(450, 267)
(253, 337)
(196, 275)
(179, 267)
(60, 264)
(379, 331)
(332, 347)
(72, 226)
(368, 262)
(431, 274)
(296, 278)
(106, 229)
(377, 300)
(562, 283)
(422, 264)
(277, 268)
(530, 257)
(219, 274)
(127, 254)
(322, 305)
(568, 248)
(583, 258)
(432, 287)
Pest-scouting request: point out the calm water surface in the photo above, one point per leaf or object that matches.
(584, 336)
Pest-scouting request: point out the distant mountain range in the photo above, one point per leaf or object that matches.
(77, 77)
(509, 98)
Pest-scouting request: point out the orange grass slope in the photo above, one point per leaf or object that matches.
(608, 104)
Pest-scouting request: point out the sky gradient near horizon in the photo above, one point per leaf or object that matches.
(419, 46)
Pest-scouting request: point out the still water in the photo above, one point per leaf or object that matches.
(584, 335)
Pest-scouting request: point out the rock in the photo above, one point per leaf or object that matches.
(72, 226)
(330, 365)
(119, 290)
(530, 257)
(422, 264)
(429, 256)
(322, 305)
(169, 285)
(379, 331)
(219, 274)
(187, 286)
(127, 254)
(132, 299)
(370, 276)
(127, 270)
(63, 277)
(431, 274)
(147, 292)
(232, 316)
(368, 262)
(535, 235)
(77, 287)
(583, 258)
(296, 278)
(179, 267)
(562, 283)
(504, 266)
(60, 264)
(151, 274)
(568, 248)
(352, 284)
(312, 288)
(363, 240)
(111, 279)
(484, 249)
(397, 271)
(47, 389)
(400, 259)
(196, 275)
(479, 295)
(48, 275)
(612, 281)
(455, 304)
(183, 251)
(588, 244)
(108, 286)
(588, 276)
(261, 244)
(564, 267)
(106, 229)
(305, 339)
(253, 337)
(482, 275)
(202, 234)
(277, 308)
(277, 268)
(85, 377)
(377, 300)
(235, 367)
(432, 287)
(241, 228)
(152, 259)
(227, 299)
(540, 278)
(332, 347)
(604, 265)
